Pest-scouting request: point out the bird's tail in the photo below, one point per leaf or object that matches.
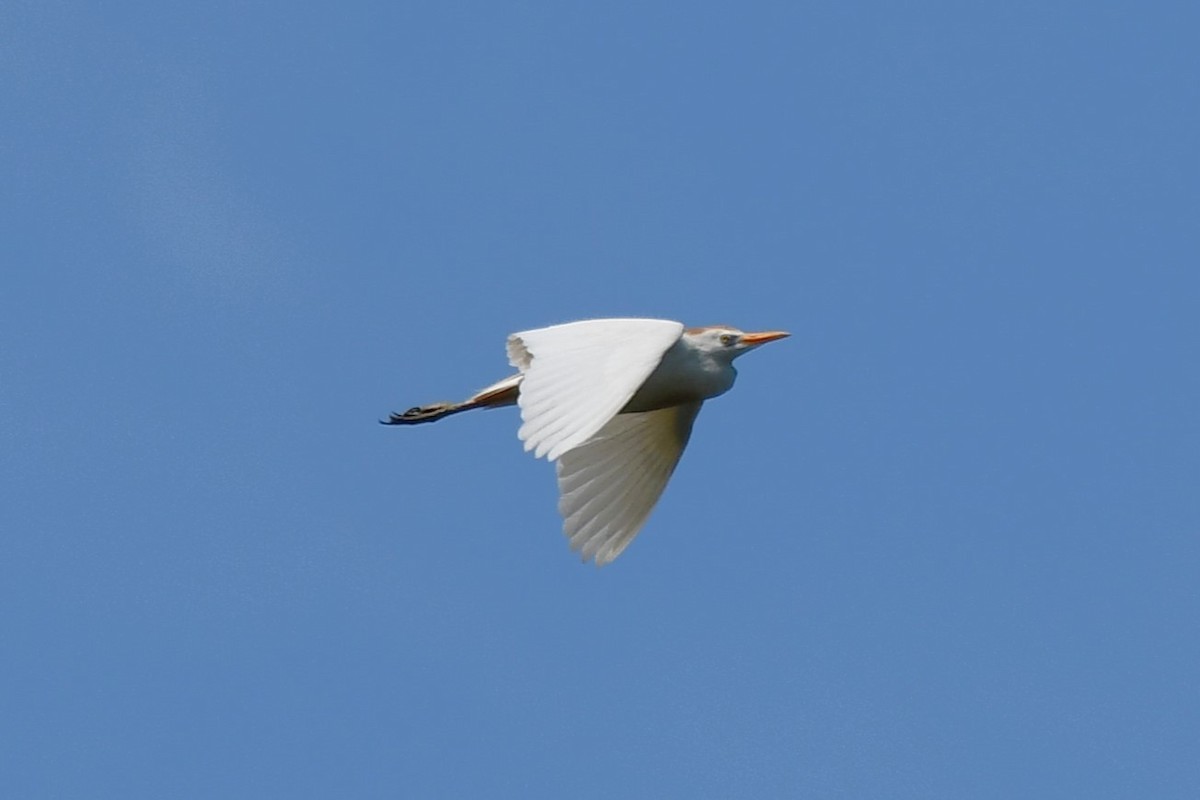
(501, 393)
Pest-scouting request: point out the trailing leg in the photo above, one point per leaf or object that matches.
(501, 393)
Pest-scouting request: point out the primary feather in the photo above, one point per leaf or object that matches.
(609, 484)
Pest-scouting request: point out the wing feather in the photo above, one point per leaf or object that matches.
(578, 376)
(609, 484)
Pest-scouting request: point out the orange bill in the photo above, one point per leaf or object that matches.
(764, 337)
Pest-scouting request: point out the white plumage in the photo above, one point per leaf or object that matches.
(579, 375)
(609, 484)
(612, 402)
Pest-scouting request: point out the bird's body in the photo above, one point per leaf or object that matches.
(612, 403)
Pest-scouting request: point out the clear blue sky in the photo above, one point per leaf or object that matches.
(944, 542)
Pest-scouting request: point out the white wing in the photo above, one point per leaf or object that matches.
(609, 484)
(579, 375)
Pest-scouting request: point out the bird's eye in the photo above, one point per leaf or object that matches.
(727, 339)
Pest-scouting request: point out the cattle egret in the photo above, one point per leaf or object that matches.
(611, 402)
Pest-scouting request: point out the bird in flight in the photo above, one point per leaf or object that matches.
(611, 402)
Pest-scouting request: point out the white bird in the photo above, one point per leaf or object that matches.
(611, 402)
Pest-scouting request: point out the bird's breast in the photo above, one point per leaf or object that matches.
(683, 376)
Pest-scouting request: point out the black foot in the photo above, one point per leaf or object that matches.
(418, 414)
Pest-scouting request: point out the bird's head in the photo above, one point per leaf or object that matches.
(726, 343)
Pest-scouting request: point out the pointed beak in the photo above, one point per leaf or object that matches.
(755, 339)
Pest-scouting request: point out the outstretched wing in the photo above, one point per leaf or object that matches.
(609, 484)
(579, 375)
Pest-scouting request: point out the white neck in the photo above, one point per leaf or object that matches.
(686, 374)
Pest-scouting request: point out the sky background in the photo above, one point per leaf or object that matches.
(941, 543)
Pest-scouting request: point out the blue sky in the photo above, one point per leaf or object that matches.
(941, 543)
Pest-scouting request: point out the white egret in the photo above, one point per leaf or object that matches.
(611, 402)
